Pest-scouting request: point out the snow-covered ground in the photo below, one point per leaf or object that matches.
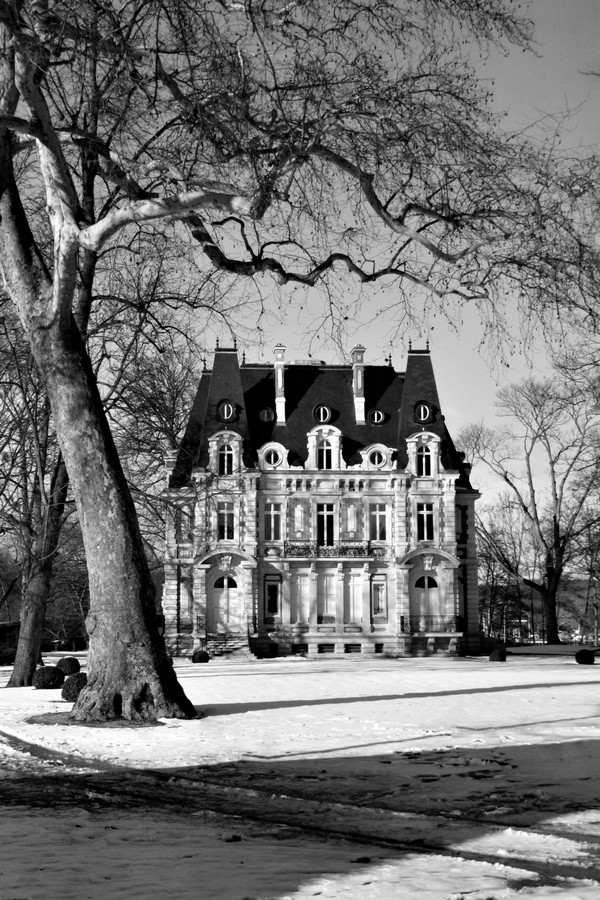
(438, 779)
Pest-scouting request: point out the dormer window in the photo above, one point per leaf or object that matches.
(273, 457)
(324, 455)
(322, 414)
(422, 412)
(377, 458)
(225, 458)
(424, 462)
(226, 411)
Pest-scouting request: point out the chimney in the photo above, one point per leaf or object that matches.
(279, 352)
(358, 382)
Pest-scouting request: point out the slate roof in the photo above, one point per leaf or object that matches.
(251, 388)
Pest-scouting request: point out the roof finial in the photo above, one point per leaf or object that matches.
(427, 345)
(243, 357)
(235, 343)
(409, 345)
(204, 364)
(217, 343)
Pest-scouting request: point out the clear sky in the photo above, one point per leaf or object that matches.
(527, 87)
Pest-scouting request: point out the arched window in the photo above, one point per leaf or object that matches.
(426, 581)
(324, 455)
(225, 581)
(426, 603)
(423, 461)
(225, 459)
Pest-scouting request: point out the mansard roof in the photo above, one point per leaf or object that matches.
(250, 388)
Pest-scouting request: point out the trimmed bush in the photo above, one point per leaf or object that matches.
(7, 655)
(200, 656)
(48, 678)
(585, 657)
(498, 655)
(69, 665)
(73, 686)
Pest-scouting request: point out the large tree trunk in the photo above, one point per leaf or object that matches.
(129, 672)
(550, 616)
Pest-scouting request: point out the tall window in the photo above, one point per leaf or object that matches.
(298, 519)
(272, 594)
(377, 522)
(425, 521)
(379, 597)
(324, 456)
(225, 460)
(225, 521)
(326, 585)
(272, 521)
(325, 524)
(351, 519)
(423, 461)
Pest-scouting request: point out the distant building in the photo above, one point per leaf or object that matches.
(320, 509)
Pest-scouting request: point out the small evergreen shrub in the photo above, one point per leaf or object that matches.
(48, 678)
(73, 686)
(69, 665)
(498, 655)
(200, 656)
(7, 655)
(585, 657)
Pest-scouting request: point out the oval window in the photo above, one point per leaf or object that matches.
(322, 414)
(376, 416)
(377, 458)
(226, 410)
(273, 457)
(266, 415)
(422, 412)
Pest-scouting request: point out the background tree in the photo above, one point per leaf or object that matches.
(305, 142)
(548, 457)
(503, 600)
(33, 490)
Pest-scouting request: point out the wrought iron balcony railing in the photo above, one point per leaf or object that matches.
(349, 549)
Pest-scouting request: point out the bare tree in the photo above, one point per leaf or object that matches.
(502, 601)
(548, 458)
(33, 490)
(302, 143)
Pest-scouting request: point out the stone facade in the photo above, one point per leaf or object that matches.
(320, 509)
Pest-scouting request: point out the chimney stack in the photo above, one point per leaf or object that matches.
(358, 382)
(279, 352)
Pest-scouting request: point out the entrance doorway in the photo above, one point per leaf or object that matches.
(224, 612)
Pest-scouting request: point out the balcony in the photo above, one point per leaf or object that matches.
(432, 624)
(348, 549)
